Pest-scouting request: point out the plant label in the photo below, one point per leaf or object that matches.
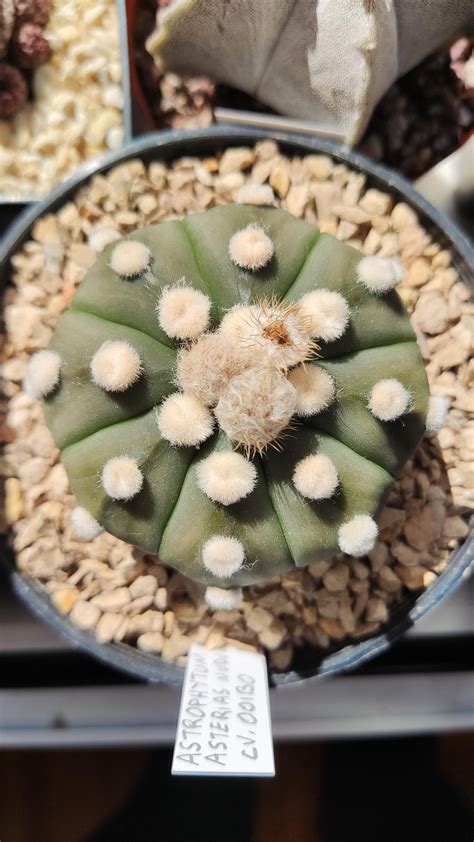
(224, 725)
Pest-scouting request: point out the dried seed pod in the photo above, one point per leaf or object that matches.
(255, 408)
(205, 368)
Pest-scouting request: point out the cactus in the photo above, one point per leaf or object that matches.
(320, 60)
(234, 392)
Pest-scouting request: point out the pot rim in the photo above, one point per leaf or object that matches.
(171, 145)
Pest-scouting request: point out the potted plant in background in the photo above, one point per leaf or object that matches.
(102, 585)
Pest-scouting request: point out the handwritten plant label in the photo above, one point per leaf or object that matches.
(224, 723)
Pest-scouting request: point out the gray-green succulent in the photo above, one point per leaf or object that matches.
(234, 392)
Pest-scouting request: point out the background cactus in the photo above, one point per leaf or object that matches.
(234, 392)
(323, 61)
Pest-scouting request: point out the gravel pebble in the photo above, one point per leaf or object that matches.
(337, 577)
(412, 577)
(431, 313)
(376, 611)
(280, 181)
(143, 586)
(65, 599)
(333, 629)
(178, 644)
(151, 642)
(388, 580)
(112, 600)
(426, 526)
(85, 615)
(107, 627)
(273, 636)
(455, 527)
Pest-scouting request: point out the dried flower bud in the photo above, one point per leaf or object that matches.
(35, 11)
(30, 47)
(13, 91)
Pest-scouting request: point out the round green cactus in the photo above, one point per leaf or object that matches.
(234, 392)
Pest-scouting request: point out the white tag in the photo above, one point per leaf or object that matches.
(224, 723)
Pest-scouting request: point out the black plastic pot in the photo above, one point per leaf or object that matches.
(168, 146)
